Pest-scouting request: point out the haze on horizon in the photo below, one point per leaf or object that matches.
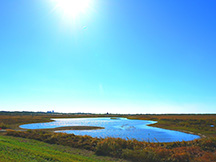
(112, 56)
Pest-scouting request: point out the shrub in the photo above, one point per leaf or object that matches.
(4, 126)
(109, 146)
(146, 155)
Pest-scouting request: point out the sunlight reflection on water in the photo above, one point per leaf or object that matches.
(120, 127)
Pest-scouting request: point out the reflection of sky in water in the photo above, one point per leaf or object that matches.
(121, 127)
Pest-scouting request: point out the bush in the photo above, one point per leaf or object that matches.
(140, 155)
(4, 126)
(110, 147)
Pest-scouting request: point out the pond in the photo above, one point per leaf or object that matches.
(116, 127)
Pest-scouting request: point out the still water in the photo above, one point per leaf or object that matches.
(118, 127)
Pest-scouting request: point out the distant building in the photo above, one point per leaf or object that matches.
(49, 112)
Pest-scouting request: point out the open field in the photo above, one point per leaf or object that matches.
(200, 150)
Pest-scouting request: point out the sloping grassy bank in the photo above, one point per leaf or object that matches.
(201, 150)
(14, 149)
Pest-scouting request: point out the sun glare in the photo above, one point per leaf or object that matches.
(72, 8)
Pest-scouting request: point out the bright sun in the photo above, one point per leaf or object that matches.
(72, 8)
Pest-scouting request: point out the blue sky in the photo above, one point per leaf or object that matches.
(120, 56)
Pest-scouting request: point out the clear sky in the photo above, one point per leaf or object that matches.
(118, 56)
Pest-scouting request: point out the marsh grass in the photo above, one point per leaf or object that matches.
(4, 126)
(198, 124)
(198, 150)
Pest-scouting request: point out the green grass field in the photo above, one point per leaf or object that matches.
(13, 149)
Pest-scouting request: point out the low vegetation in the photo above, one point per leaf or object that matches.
(4, 126)
(198, 124)
(13, 149)
(203, 150)
(13, 120)
(73, 128)
(199, 150)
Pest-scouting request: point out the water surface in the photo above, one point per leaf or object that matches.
(118, 127)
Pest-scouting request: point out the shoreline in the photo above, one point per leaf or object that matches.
(96, 127)
(51, 119)
(180, 130)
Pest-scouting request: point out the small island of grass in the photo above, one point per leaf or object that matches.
(73, 128)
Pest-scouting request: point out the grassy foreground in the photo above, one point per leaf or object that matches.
(199, 150)
(14, 149)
